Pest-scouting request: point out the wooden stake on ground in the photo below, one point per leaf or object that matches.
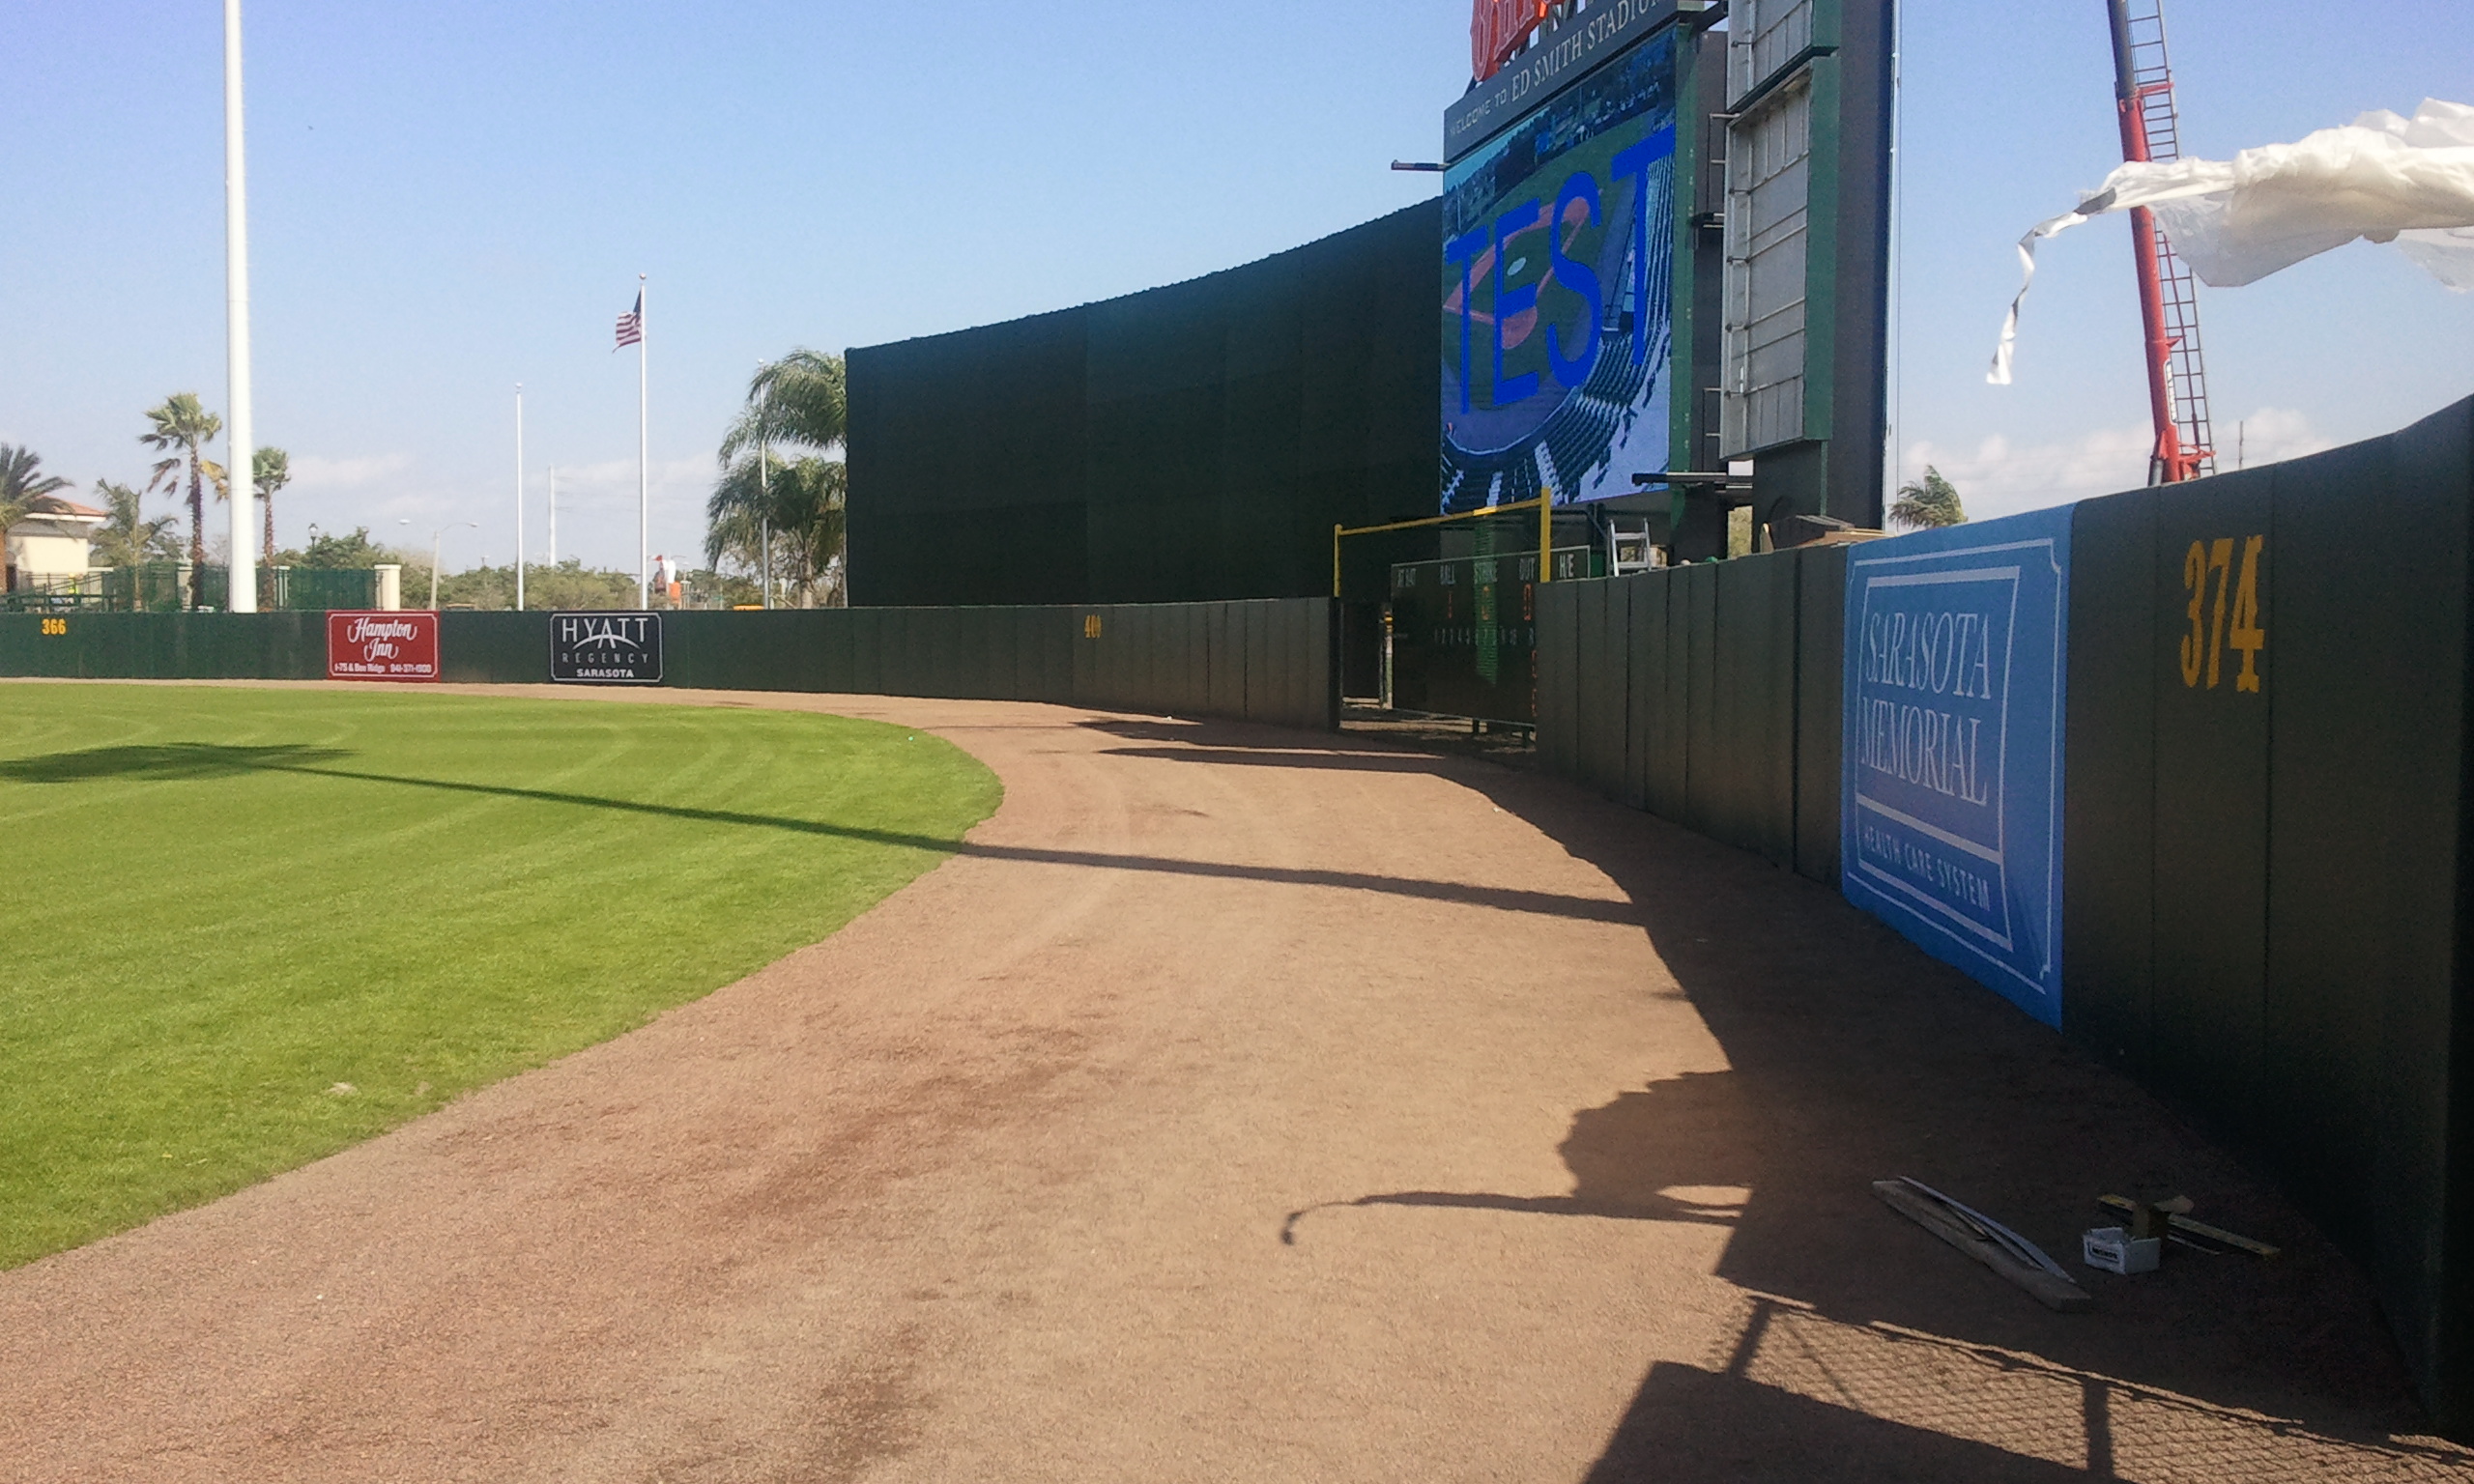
(2054, 1292)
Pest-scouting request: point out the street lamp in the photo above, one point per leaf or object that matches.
(433, 556)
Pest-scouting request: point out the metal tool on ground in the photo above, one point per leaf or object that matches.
(2183, 1231)
(1989, 1243)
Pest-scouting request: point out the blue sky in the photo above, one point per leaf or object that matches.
(448, 198)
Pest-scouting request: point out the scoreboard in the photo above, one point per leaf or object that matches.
(1557, 291)
(1465, 632)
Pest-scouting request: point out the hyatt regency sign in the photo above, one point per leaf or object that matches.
(605, 649)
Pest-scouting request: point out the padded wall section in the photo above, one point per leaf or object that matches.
(1188, 444)
(496, 648)
(1821, 630)
(280, 646)
(2363, 875)
(2211, 813)
(1558, 678)
(1693, 610)
(2109, 760)
(2265, 849)
(1605, 676)
(1275, 661)
(967, 466)
(1755, 648)
(1708, 694)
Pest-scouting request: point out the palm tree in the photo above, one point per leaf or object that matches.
(270, 471)
(182, 428)
(796, 401)
(796, 405)
(1929, 502)
(22, 482)
(128, 540)
(800, 502)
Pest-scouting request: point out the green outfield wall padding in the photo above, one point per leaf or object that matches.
(1272, 660)
(1821, 626)
(491, 648)
(867, 630)
(280, 646)
(1690, 693)
(1756, 663)
(1558, 697)
(2269, 885)
(1600, 617)
(2265, 911)
(1704, 774)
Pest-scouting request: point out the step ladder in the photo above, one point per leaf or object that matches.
(1628, 550)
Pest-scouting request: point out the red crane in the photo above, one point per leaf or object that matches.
(2168, 295)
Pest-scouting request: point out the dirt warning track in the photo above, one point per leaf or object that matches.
(1238, 1104)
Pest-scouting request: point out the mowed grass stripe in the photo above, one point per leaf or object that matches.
(221, 903)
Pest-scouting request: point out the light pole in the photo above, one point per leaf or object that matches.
(240, 592)
(764, 490)
(519, 498)
(433, 556)
(643, 453)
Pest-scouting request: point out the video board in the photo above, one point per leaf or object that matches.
(1558, 333)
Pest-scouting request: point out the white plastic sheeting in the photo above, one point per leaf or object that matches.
(2385, 178)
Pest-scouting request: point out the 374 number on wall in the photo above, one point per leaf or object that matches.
(2224, 612)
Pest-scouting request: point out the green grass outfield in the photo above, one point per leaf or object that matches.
(220, 907)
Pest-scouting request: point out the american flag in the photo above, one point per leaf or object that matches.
(631, 324)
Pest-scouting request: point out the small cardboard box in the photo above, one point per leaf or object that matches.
(2113, 1249)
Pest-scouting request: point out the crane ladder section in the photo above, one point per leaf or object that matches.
(2186, 365)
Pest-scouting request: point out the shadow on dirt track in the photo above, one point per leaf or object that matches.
(1867, 1349)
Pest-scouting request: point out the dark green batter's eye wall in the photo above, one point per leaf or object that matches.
(1190, 443)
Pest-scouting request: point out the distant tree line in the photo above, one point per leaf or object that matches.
(776, 512)
(180, 430)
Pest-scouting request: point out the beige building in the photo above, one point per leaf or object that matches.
(52, 543)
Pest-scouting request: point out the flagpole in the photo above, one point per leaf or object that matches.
(240, 592)
(643, 453)
(764, 491)
(519, 497)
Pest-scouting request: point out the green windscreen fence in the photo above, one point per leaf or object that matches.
(1274, 661)
(165, 588)
(1188, 444)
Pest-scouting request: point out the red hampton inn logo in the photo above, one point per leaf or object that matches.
(381, 647)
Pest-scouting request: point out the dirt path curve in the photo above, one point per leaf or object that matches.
(1240, 1105)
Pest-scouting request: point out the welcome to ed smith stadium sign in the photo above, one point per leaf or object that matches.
(1561, 57)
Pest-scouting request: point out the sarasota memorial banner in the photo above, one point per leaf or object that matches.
(1952, 802)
